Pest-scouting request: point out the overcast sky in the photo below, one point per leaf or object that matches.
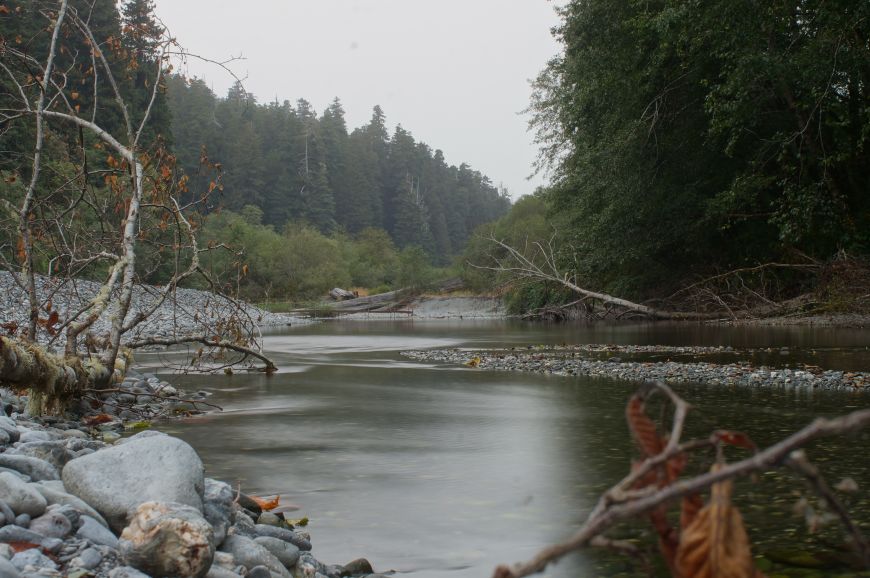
(453, 72)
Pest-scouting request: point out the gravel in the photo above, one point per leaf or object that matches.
(581, 360)
(190, 313)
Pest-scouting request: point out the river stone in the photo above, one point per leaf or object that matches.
(51, 524)
(36, 468)
(269, 519)
(89, 558)
(33, 557)
(33, 435)
(21, 496)
(22, 520)
(56, 496)
(53, 452)
(358, 567)
(94, 532)
(250, 554)
(243, 525)
(286, 552)
(220, 572)
(160, 468)
(10, 534)
(71, 514)
(283, 534)
(5, 438)
(258, 572)
(9, 427)
(166, 539)
(126, 572)
(6, 512)
(7, 569)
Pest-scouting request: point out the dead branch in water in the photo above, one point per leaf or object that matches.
(626, 500)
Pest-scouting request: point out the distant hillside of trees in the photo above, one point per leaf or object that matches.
(297, 166)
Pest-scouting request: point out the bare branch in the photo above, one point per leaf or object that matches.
(606, 513)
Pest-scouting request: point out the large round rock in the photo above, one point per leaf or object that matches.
(166, 539)
(147, 468)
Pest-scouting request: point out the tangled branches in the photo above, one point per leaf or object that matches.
(710, 538)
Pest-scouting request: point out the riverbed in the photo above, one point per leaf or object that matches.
(440, 470)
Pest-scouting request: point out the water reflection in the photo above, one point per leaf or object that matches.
(444, 471)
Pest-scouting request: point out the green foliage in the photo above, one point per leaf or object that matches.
(415, 271)
(685, 136)
(525, 225)
(313, 261)
(301, 264)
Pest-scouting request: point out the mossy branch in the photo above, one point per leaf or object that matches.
(53, 381)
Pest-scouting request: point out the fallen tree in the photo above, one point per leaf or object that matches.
(539, 262)
(82, 219)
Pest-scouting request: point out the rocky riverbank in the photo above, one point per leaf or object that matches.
(79, 500)
(190, 313)
(612, 361)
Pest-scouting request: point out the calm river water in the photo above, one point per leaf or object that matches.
(443, 471)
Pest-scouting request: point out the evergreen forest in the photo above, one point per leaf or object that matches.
(301, 201)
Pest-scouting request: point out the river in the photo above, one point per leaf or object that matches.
(444, 471)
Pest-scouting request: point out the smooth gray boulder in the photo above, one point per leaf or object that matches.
(21, 496)
(53, 495)
(250, 554)
(152, 468)
(36, 468)
(166, 539)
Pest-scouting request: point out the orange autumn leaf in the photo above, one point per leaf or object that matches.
(715, 544)
(23, 546)
(735, 438)
(97, 419)
(266, 504)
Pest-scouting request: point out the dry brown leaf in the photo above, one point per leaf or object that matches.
(643, 428)
(691, 505)
(715, 544)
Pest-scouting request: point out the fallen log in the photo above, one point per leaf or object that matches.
(385, 301)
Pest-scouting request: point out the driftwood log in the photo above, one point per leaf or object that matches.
(383, 302)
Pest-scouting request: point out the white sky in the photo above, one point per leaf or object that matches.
(453, 72)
